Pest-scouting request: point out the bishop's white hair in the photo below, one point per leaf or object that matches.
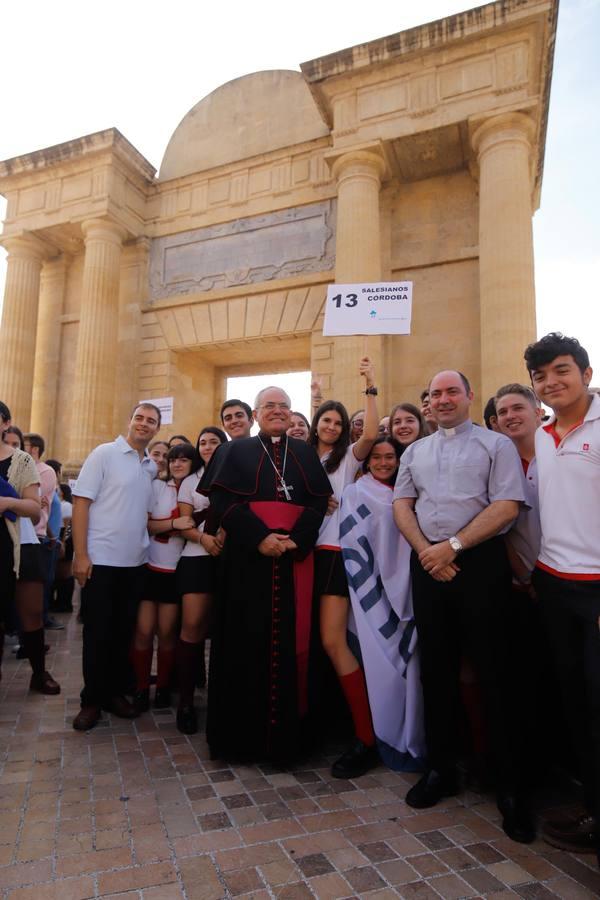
(271, 387)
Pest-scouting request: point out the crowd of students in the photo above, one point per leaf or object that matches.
(437, 570)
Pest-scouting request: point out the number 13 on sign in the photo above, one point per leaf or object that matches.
(371, 308)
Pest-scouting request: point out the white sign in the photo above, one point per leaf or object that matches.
(165, 404)
(376, 308)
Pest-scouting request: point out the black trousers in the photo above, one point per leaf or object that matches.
(571, 615)
(469, 616)
(109, 603)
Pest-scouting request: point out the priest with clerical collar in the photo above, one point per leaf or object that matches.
(269, 495)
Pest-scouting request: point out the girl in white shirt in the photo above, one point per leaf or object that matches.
(330, 435)
(195, 582)
(158, 611)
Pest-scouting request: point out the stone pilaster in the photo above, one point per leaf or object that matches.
(506, 276)
(19, 323)
(47, 347)
(96, 362)
(358, 259)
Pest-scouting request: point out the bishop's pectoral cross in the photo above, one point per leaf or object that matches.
(284, 488)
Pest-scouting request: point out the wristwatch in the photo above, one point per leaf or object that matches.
(372, 391)
(455, 544)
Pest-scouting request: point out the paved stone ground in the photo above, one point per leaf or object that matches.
(136, 810)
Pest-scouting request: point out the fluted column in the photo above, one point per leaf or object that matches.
(19, 322)
(506, 276)
(96, 361)
(47, 347)
(358, 259)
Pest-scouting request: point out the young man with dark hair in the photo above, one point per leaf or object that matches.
(111, 502)
(567, 573)
(237, 419)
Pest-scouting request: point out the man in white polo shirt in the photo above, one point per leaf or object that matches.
(111, 501)
(567, 573)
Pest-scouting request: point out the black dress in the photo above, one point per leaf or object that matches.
(254, 711)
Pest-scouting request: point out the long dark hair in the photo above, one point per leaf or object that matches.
(398, 448)
(211, 429)
(338, 450)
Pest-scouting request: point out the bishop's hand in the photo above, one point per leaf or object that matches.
(273, 544)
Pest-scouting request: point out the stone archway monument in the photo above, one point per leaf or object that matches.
(416, 156)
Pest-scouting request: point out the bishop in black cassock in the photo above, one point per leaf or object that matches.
(269, 495)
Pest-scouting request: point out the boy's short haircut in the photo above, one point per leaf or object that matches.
(552, 345)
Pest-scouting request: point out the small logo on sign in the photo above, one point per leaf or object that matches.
(373, 313)
(586, 446)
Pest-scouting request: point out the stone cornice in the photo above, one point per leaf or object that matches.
(430, 36)
(444, 33)
(110, 139)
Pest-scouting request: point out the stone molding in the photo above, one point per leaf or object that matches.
(103, 230)
(27, 246)
(513, 126)
(363, 163)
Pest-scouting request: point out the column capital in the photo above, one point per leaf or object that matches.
(511, 127)
(103, 230)
(368, 160)
(27, 246)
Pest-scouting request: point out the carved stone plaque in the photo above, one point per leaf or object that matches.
(245, 251)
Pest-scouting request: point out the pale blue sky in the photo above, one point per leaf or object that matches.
(71, 68)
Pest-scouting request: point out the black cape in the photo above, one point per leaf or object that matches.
(253, 709)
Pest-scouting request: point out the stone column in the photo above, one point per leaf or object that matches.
(506, 277)
(96, 361)
(19, 323)
(47, 347)
(358, 259)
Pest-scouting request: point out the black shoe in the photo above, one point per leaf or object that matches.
(141, 701)
(87, 718)
(431, 788)
(187, 720)
(121, 707)
(579, 835)
(162, 698)
(52, 625)
(44, 683)
(517, 820)
(356, 761)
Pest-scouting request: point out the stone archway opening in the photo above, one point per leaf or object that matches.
(297, 385)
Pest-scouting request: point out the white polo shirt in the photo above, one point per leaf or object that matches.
(120, 486)
(188, 494)
(165, 549)
(569, 494)
(345, 474)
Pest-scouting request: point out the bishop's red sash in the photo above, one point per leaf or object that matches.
(282, 517)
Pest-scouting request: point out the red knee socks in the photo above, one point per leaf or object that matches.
(355, 692)
(141, 661)
(187, 661)
(164, 667)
